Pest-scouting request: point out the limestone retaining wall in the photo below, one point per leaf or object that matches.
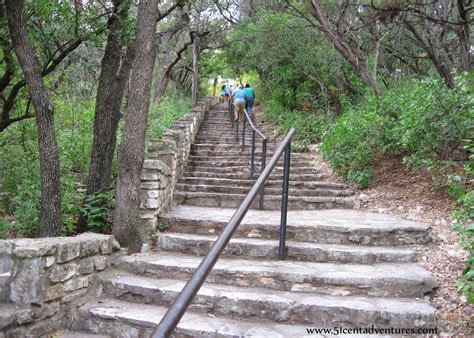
(166, 162)
(43, 279)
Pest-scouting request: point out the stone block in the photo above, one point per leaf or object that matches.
(69, 297)
(86, 266)
(47, 310)
(6, 247)
(149, 176)
(62, 272)
(100, 262)
(26, 285)
(147, 214)
(150, 185)
(153, 193)
(107, 247)
(157, 165)
(77, 283)
(53, 292)
(90, 248)
(151, 203)
(49, 260)
(68, 251)
(34, 247)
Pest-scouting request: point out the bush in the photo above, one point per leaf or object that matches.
(464, 216)
(354, 142)
(163, 114)
(310, 127)
(421, 120)
(20, 172)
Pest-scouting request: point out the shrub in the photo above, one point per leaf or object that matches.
(310, 127)
(421, 120)
(464, 215)
(163, 114)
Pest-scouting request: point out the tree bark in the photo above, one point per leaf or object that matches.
(214, 86)
(50, 205)
(463, 35)
(342, 47)
(195, 78)
(165, 77)
(432, 53)
(114, 72)
(132, 149)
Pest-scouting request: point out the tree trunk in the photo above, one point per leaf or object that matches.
(114, 72)
(431, 50)
(50, 206)
(214, 86)
(463, 35)
(195, 79)
(132, 149)
(343, 48)
(165, 77)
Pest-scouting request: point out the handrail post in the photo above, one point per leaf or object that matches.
(252, 163)
(237, 132)
(284, 203)
(243, 134)
(264, 160)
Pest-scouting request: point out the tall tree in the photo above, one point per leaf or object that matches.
(463, 7)
(50, 205)
(114, 73)
(336, 35)
(132, 148)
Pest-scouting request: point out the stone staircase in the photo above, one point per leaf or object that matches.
(344, 268)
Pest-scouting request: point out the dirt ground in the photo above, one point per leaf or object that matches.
(398, 191)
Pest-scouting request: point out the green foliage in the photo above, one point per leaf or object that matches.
(19, 165)
(280, 48)
(97, 210)
(310, 127)
(464, 215)
(153, 233)
(420, 120)
(162, 115)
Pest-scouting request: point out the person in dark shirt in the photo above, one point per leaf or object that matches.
(249, 99)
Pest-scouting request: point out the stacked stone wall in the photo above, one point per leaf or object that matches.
(42, 280)
(166, 160)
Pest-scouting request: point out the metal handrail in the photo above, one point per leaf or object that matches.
(172, 317)
(264, 146)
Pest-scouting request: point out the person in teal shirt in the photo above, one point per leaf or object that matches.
(249, 99)
(239, 103)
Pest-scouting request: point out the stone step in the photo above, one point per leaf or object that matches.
(77, 334)
(191, 167)
(315, 226)
(244, 161)
(244, 157)
(283, 307)
(227, 140)
(238, 175)
(224, 134)
(218, 147)
(232, 152)
(125, 319)
(271, 202)
(252, 248)
(377, 280)
(294, 185)
(268, 191)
